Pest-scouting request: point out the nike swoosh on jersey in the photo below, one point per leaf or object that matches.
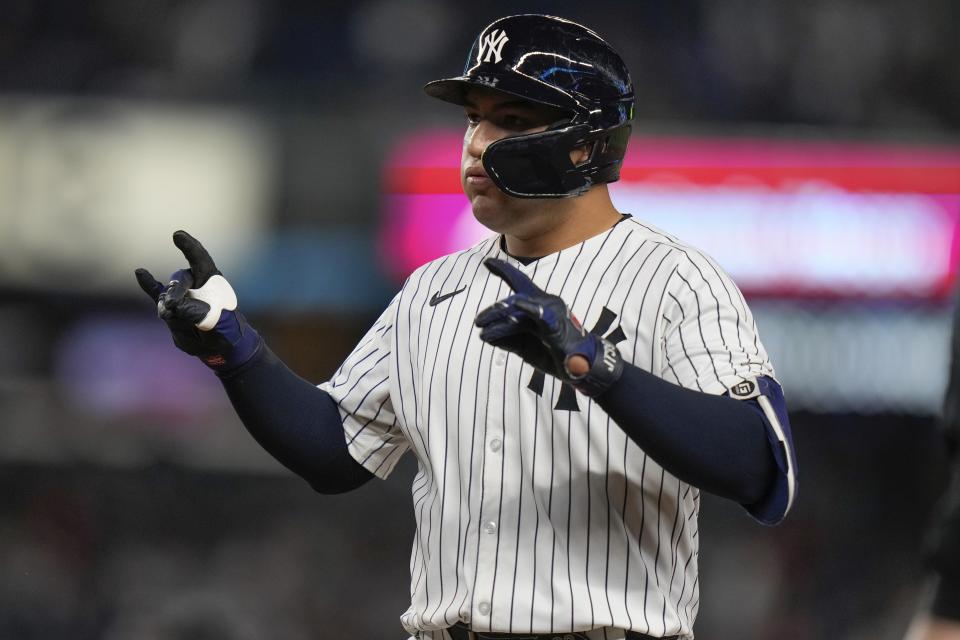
(437, 298)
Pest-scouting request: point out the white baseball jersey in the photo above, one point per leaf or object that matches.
(534, 512)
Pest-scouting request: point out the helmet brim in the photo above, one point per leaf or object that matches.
(455, 90)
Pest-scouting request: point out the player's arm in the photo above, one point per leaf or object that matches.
(713, 442)
(296, 422)
(725, 446)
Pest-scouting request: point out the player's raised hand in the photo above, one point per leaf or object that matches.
(539, 328)
(201, 264)
(200, 309)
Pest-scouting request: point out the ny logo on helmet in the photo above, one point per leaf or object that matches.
(492, 45)
(490, 81)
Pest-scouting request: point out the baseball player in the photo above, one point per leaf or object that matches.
(942, 621)
(568, 386)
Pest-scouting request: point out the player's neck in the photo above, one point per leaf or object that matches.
(578, 219)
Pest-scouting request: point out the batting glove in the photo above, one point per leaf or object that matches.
(200, 309)
(539, 328)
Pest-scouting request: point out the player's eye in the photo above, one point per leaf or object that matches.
(473, 118)
(515, 123)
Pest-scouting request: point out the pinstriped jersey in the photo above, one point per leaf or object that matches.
(534, 512)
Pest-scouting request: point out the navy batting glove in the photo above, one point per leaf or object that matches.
(539, 328)
(200, 309)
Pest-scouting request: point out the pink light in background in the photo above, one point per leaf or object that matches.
(786, 219)
(422, 227)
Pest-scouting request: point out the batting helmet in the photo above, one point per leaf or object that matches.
(560, 63)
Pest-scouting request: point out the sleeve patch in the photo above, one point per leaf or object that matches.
(744, 390)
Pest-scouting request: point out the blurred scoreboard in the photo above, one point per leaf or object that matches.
(787, 219)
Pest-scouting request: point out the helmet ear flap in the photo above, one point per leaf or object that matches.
(589, 148)
(538, 165)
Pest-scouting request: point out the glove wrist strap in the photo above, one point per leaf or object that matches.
(241, 343)
(606, 367)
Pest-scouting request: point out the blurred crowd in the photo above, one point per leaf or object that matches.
(878, 64)
(342, 80)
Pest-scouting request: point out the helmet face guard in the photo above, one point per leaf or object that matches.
(556, 62)
(538, 165)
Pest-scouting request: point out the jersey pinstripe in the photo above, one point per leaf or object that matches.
(534, 512)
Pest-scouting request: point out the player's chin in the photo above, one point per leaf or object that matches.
(489, 211)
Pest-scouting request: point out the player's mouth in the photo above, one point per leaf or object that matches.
(476, 177)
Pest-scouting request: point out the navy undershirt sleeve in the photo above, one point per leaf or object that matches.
(296, 422)
(714, 443)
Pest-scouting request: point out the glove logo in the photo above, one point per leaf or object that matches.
(609, 356)
(492, 45)
(568, 395)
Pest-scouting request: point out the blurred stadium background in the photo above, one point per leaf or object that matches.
(813, 148)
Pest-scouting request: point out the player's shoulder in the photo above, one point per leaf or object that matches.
(445, 262)
(686, 257)
(645, 232)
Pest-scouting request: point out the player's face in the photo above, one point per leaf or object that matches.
(492, 115)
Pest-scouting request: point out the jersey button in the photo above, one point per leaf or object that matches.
(495, 444)
(483, 608)
(501, 359)
(490, 527)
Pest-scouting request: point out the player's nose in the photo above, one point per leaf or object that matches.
(479, 137)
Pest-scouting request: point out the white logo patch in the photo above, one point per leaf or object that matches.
(609, 356)
(217, 293)
(492, 45)
(744, 390)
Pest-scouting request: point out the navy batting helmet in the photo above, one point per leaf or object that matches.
(560, 63)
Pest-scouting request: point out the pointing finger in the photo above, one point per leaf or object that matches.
(201, 264)
(517, 280)
(149, 284)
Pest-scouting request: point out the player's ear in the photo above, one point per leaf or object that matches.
(581, 154)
